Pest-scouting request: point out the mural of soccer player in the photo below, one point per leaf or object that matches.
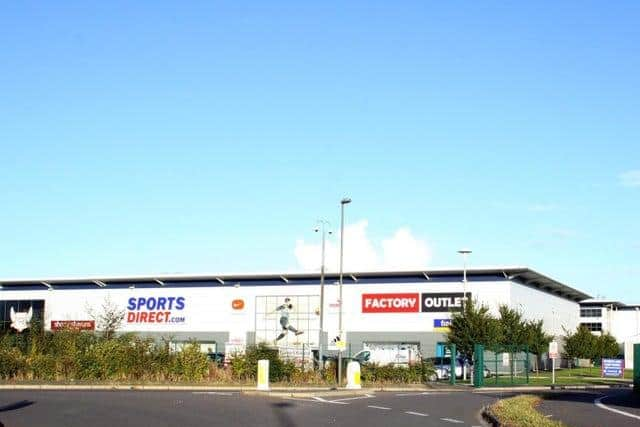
(284, 310)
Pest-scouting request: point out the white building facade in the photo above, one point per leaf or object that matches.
(620, 320)
(227, 312)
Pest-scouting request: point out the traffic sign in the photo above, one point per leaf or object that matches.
(553, 350)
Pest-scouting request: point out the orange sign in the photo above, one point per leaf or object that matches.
(237, 304)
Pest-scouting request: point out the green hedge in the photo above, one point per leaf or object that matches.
(74, 355)
(411, 374)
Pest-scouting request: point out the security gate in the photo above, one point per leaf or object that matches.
(501, 365)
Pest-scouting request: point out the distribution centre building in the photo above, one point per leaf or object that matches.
(225, 312)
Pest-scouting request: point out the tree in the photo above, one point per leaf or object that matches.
(537, 340)
(580, 344)
(512, 328)
(473, 325)
(606, 347)
(109, 319)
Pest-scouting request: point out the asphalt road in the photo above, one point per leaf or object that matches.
(144, 408)
(592, 409)
(184, 408)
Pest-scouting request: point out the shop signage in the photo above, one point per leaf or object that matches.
(390, 303)
(443, 302)
(20, 320)
(413, 302)
(441, 325)
(155, 310)
(77, 325)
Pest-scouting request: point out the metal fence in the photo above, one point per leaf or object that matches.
(503, 365)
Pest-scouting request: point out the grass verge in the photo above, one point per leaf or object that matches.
(520, 411)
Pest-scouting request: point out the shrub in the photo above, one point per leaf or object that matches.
(192, 364)
(412, 374)
(245, 366)
(11, 363)
(42, 366)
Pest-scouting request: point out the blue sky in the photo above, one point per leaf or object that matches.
(209, 136)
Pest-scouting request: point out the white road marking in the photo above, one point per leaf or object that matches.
(425, 393)
(319, 399)
(599, 404)
(378, 407)
(416, 413)
(301, 399)
(452, 420)
(366, 396)
(220, 393)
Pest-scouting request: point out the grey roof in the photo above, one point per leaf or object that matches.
(523, 275)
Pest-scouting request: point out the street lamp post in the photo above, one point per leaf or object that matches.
(344, 201)
(324, 235)
(464, 253)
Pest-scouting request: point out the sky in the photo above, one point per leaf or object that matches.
(162, 137)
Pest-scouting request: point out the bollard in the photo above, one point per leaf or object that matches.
(353, 376)
(263, 375)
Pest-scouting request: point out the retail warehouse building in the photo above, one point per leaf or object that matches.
(381, 310)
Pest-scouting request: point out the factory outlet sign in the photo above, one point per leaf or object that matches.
(439, 302)
(390, 303)
(156, 310)
(412, 302)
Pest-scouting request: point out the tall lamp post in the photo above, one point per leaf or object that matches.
(464, 252)
(321, 228)
(343, 202)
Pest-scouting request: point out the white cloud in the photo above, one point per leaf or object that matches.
(400, 251)
(630, 178)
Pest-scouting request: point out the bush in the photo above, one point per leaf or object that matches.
(245, 366)
(412, 374)
(42, 366)
(192, 364)
(12, 363)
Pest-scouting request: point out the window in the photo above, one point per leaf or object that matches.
(590, 312)
(19, 306)
(593, 327)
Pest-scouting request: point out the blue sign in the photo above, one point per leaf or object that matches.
(441, 324)
(613, 368)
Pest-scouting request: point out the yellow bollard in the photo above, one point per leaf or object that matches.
(263, 375)
(353, 376)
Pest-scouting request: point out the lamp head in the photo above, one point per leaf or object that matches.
(345, 201)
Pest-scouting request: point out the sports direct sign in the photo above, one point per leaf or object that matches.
(155, 310)
(412, 302)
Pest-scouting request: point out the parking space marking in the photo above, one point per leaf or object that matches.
(301, 399)
(452, 420)
(379, 407)
(416, 413)
(366, 396)
(319, 399)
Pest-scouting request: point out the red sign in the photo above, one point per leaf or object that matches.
(237, 304)
(78, 325)
(391, 303)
